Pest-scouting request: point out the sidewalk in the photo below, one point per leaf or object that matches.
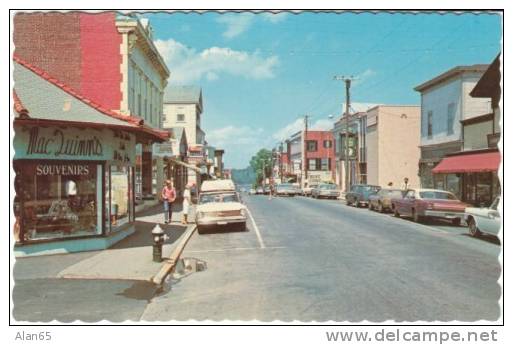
(131, 258)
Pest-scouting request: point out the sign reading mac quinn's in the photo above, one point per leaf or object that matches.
(72, 143)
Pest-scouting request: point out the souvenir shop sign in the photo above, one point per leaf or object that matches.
(73, 143)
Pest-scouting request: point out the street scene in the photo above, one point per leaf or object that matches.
(250, 167)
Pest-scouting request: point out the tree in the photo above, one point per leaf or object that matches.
(257, 162)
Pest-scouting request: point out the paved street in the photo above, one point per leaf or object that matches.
(321, 260)
(310, 260)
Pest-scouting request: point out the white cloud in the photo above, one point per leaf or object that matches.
(275, 17)
(299, 125)
(364, 76)
(239, 143)
(188, 65)
(236, 24)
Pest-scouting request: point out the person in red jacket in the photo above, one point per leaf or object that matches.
(168, 196)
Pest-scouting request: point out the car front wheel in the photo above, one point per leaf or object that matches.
(380, 208)
(473, 229)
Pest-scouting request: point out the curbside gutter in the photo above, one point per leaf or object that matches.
(170, 262)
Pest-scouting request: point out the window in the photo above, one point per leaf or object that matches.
(430, 124)
(139, 106)
(121, 202)
(58, 199)
(180, 117)
(312, 164)
(311, 145)
(326, 164)
(327, 144)
(450, 118)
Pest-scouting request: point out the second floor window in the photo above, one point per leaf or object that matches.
(430, 124)
(180, 117)
(450, 118)
(327, 144)
(311, 145)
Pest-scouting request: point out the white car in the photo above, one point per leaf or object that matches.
(219, 205)
(483, 220)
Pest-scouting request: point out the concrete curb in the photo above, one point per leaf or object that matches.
(170, 262)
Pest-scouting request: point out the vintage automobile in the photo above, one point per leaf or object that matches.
(325, 190)
(286, 189)
(252, 191)
(260, 190)
(359, 194)
(307, 191)
(483, 219)
(421, 204)
(219, 205)
(382, 200)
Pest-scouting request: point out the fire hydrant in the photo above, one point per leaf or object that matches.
(159, 237)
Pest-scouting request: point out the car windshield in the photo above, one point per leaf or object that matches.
(370, 189)
(327, 186)
(437, 195)
(218, 197)
(495, 204)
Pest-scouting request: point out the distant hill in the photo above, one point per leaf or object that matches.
(243, 176)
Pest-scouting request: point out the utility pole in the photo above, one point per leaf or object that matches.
(305, 149)
(347, 81)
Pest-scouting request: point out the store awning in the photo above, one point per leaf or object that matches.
(469, 163)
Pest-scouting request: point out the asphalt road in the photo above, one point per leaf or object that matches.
(319, 260)
(302, 259)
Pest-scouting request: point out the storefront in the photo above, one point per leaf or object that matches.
(72, 182)
(472, 176)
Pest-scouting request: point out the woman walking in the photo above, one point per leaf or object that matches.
(168, 196)
(186, 203)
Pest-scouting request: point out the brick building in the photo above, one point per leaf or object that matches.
(108, 58)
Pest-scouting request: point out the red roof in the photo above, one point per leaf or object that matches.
(132, 120)
(469, 163)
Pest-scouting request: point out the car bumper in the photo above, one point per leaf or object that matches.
(443, 214)
(206, 221)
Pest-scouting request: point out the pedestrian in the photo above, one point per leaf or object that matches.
(405, 184)
(186, 203)
(168, 196)
(271, 191)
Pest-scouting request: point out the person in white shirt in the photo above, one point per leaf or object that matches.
(186, 203)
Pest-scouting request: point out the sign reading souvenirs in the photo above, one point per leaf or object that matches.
(33, 142)
(63, 170)
(58, 144)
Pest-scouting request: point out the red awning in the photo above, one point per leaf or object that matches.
(471, 163)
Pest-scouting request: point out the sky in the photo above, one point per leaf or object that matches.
(261, 73)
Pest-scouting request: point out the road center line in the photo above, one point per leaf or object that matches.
(257, 231)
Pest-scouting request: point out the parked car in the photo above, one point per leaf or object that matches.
(382, 200)
(260, 190)
(286, 189)
(421, 204)
(359, 194)
(219, 205)
(252, 191)
(325, 190)
(307, 191)
(483, 219)
(267, 190)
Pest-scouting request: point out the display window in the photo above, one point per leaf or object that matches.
(57, 199)
(120, 201)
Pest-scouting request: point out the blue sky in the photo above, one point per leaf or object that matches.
(260, 73)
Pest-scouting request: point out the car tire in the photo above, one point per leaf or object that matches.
(456, 222)
(396, 213)
(370, 206)
(380, 208)
(200, 230)
(348, 203)
(416, 217)
(472, 228)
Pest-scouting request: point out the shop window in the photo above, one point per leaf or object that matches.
(57, 199)
(312, 164)
(453, 184)
(121, 204)
(326, 164)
